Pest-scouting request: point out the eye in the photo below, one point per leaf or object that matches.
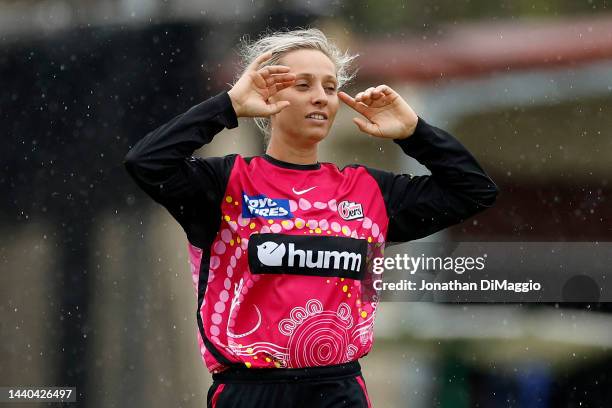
(301, 85)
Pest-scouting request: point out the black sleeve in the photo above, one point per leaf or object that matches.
(456, 189)
(191, 188)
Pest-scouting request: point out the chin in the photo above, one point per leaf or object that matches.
(308, 135)
(318, 136)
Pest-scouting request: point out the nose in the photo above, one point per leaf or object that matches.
(320, 96)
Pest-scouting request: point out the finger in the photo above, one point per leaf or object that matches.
(278, 87)
(347, 99)
(276, 107)
(368, 92)
(361, 95)
(367, 127)
(274, 69)
(279, 78)
(377, 94)
(259, 60)
(386, 90)
(281, 86)
(258, 80)
(367, 96)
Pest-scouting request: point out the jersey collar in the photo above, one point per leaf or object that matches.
(294, 166)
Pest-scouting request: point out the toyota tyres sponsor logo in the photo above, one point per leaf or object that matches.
(262, 206)
(349, 210)
(307, 255)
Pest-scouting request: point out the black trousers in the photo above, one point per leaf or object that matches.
(316, 387)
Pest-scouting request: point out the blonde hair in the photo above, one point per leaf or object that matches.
(285, 41)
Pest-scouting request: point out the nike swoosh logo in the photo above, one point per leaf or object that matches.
(302, 191)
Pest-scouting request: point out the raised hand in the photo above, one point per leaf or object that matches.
(251, 92)
(386, 114)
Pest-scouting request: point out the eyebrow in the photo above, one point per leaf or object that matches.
(306, 74)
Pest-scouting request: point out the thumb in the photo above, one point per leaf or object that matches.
(366, 127)
(276, 107)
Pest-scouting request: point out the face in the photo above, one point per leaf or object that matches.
(314, 90)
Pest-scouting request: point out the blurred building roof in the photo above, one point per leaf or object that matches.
(474, 49)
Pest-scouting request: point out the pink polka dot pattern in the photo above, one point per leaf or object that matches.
(219, 307)
(319, 205)
(293, 205)
(332, 205)
(287, 224)
(367, 223)
(226, 235)
(265, 229)
(312, 224)
(276, 228)
(304, 204)
(324, 225)
(219, 248)
(299, 223)
(243, 222)
(215, 261)
(375, 230)
(335, 226)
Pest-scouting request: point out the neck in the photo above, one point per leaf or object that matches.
(290, 153)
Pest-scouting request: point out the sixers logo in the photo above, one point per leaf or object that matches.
(349, 210)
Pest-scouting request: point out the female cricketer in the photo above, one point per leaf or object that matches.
(281, 245)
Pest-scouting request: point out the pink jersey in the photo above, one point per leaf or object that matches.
(302, 306)
(281, 253)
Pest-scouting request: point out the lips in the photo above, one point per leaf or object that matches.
(317, 116)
